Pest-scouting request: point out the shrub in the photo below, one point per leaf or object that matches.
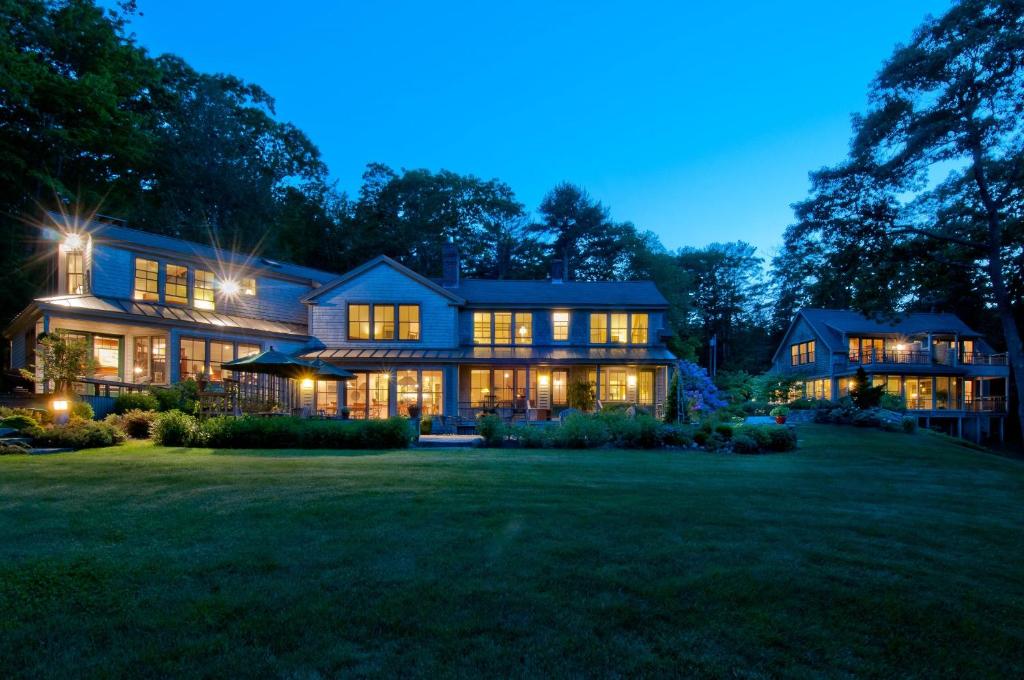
(580, 395)
(135, 401)
(251, 432)
(40, 416)
(743, 443)
(760, 434)
(581, 432)
(781, 438)
(678, 435)
(18, 422)
(893, 402)
(491, 429)
(13, 449)
(779, 411)
(868, 418)
(174, 428)
(723, 430)
(181, 397)
(640, 432)
(135, 423)
(531, 437)
(78, 433)
(82, 409)
(909, 424)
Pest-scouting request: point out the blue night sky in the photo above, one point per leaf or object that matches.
(692, 120)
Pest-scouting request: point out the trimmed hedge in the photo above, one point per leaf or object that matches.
(78, 433)
(175, 428)
(134, 423)
(135, 401)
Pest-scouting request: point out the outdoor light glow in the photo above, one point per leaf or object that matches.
(229, 287)
(631, 380)
(60, 404)
(307, 383)
(522, 331)
(543, 379)
(138, 369)
(73, 241)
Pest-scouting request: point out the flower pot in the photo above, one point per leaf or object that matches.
(781, 420)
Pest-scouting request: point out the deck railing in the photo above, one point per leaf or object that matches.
(973, 404)
(907, 357)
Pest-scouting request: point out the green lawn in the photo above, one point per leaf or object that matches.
(863, 553)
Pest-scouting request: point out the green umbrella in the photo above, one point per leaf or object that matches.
(271, 362)
(323, 370)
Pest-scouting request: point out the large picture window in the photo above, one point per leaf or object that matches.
(106, 353)
(367, 395)
(220, 353)
(147, 280)
(614, 387)
(619, 328)
(191, 358)
(503, 328)
(150, 360)
(176, 288)
(327, 397)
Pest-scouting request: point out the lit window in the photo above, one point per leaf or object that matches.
(503, 328)
(106, 354)
(598, 329)
(614, 387)
(559, 387)
(192, 358)
(383, 322)
(248, 286)
(482, 328)
(480, 388)
(645, 388)
(75, 263)
(176, 289)
(202, 290)
(524, 328)
(147, 280)
(802, 353)
(327, 397)
(432, 393)
(560, 326)
(619, 326)
(408, 322)
(638, 329)
(359, 322)
(220, 353)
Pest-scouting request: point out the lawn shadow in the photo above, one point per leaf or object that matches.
(306, 453)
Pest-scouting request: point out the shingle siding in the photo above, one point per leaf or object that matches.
(383, 284)
(802, 332)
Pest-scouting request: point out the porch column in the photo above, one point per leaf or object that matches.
(931, 352)
(956, 349)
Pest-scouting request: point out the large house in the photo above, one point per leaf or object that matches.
(156, 310)
(947, 374)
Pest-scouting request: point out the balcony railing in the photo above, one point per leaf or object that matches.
(973, 404)
(905, 357)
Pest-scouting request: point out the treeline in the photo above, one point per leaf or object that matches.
(88, 119)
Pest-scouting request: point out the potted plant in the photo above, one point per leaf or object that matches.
(779, 413)
(343, 412)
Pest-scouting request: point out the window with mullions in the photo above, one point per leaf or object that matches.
(619, 328)
(383, 322)
(202, 290)
(502, 328)
(802, 353)
(147, 280)
(75, 263)
(191, 358)
(176, 287)
(560, 326)
(408, 322)
(359, 322)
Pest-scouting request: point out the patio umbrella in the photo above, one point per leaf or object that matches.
(323, 370)
(271, 362)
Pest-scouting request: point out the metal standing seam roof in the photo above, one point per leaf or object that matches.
(148, 311)
(840, 321)
(497, 354)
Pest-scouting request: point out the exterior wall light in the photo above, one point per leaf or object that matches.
(542, 380)
(631, 380)
(229, 287)
(307, 383)
(60, 411)
(73, 242)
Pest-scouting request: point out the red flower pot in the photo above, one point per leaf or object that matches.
(781, 420)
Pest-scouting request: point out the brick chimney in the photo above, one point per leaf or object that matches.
(450, 265)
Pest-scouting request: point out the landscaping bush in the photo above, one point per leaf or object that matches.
(40, 416)
(893, 402)
(581, 432)
(678, 435)
(82, 409)
(296, 433)
(136, 401)
(19, 422)
(909, 424)
(134, 423)
(182, 396)
(530, 437)
(723, 430)
(781, 438)
(639, 432)
(759, 434)
(743, 443)
(78, 433)
(491, 429)
(174, 428)
(867, 418)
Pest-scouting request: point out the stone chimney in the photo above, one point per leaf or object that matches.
(450, 265)
(557, 271)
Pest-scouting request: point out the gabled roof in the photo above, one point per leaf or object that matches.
(532, 293)
(106, 231)
(378, 261)
(831, 325)
(129, 311)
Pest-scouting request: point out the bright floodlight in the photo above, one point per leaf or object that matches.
(73, 241)
(229, 287)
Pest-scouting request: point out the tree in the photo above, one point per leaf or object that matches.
(863, 394)
(946, 105)
(580, 232)
(63, 359)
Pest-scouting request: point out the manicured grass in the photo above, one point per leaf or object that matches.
(862, 554)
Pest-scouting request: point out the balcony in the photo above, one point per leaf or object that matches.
(971, 405)
(897, 357)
